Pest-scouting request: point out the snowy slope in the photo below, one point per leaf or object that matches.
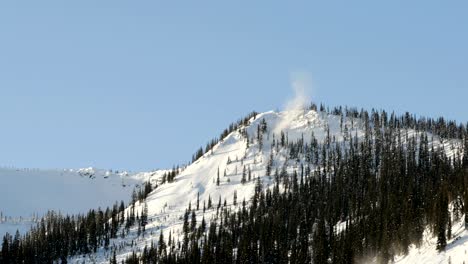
(455, 253)
(27, 194)
(168, 202)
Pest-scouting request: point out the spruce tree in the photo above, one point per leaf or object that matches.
(442, 218)
(243, 179)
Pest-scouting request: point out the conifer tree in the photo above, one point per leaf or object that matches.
(243, 179)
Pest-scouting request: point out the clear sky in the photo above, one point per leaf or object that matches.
(141, 84)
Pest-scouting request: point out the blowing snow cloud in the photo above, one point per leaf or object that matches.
(301, 83)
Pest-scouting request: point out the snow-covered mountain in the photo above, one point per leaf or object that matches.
(27, 194)
(218, 175)
(227, 160)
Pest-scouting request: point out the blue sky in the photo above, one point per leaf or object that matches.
(141, 84)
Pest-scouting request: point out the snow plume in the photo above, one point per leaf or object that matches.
(301, 83)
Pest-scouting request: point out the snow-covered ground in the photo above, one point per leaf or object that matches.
(27, 194)
(456, 251)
